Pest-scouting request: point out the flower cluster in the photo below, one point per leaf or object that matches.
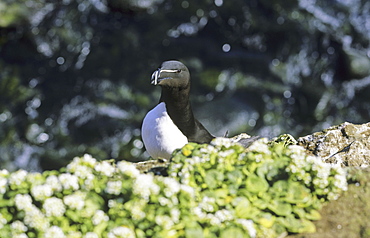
(218, 189)
(268, 189)
(326, 179)
(72, 203)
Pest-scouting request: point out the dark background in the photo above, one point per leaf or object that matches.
(75, 75)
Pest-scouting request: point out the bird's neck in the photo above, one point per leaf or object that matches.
(178, 107)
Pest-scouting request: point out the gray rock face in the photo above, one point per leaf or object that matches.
(347, 144)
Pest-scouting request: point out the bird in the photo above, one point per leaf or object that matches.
(171, 123)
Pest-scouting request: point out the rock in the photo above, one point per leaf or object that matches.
(347, 144)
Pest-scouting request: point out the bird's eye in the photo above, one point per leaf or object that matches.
(178, 71)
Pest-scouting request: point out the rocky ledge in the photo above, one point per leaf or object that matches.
(346, 144)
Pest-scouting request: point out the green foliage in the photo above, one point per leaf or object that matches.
(217, 190)
(93, 199)
(276, 186)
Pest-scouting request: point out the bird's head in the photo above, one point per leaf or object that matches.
(171, 74)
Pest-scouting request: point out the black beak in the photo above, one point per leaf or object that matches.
(156, 76)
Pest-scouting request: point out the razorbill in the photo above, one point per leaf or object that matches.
(171, 124)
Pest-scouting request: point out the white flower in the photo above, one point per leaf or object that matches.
(3, 180)
(35, 218)
(112, 203)
(208, 150)
(69, 181)
(99, 217)
(137, 212)
(215, 221)
(128, 169)
(83, 171)
(164, 201)
(296, 149)
(41, 192)
(323, 170)
(89, 182)
(187, 189)
(21, 235)
(89, 160)
(249, 226)
(175, 215)
(18, 227)
(74, 234)
(17, 177)
(164, 221)
(3, 185)
(91, 235)
(226, 153)
(207, 204)
(199, 213)
(144, 186)
(105, 168)
(121, 231)
(85, 161)
(114, 187)
(54, 183)
(75, 200)
(172, 187)
(54, 207)
(341, 182)
(34, 178)
(260, 146)
(23, 201)
(82, 167)
(3, 221)
(222, 141)
(53, 232)
(224, 215)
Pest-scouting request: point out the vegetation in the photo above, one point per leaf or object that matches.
(216, 190)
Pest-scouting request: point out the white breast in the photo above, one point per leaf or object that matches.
(160, 135)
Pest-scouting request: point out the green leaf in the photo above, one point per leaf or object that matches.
(297, 225)
(214, 178)
(300, 212)
(297, 193)
(280, 208)
(280, 188)
(233, 232)
(261, 204)
(256, 184)
(98, 229)
(235, 177)
(194, 230)
(267, 220)
(313, 215)
(243, 207)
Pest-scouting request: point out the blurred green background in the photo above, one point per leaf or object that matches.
(75, 74)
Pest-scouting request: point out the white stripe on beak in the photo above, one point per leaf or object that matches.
(155, 76)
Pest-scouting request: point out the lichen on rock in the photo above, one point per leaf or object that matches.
(346, 144)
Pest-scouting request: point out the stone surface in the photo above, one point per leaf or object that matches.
(347, 144)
